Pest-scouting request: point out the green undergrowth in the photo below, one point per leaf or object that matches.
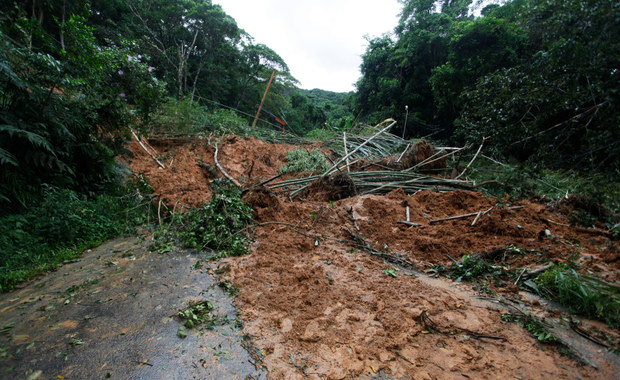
(534, 325)
(523, 180)
(322, 134)
(583, 295)
(63, 225)
(474, 268)
(301, 161)
(218, 225)
(187, 117)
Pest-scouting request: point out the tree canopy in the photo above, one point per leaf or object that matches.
(539, 78)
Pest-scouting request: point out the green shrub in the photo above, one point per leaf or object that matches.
(216, 225)
(583, 295)
(300, 161)
(62, 225)
(190, 117)
(524, 181)
(322, 134)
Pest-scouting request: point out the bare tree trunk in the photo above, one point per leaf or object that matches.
(180, 73)
(62, 26)
(183, 58)
(202, 61)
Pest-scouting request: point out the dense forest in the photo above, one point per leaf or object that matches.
(540, 78)
(537, 80)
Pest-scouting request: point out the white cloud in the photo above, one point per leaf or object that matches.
(321, 40)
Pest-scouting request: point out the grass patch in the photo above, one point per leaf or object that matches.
(62, 226)
(583, 295)
(301, 161)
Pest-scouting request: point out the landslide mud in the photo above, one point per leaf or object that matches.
(316, 305)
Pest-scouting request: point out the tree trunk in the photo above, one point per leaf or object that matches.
(180, 73)
(62, 26)
(202, 61)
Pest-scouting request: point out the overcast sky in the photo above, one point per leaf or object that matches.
(321, 41)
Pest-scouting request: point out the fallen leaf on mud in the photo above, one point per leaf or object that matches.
(76, 342)
(5, 330)
(35, 375)
(315, 258)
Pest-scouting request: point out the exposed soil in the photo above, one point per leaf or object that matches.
(190, 166)
(316, 304)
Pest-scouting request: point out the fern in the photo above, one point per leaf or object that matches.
(6, 158)
(33, 138)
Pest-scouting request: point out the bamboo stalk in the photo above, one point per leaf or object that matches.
(344, 138)
(403, 153)
(461, 216)
(410, 224)
(356, 149)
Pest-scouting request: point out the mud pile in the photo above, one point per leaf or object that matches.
(333, 187)
(316, 304)
(189, 165)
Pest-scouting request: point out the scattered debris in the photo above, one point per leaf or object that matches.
(315, 281)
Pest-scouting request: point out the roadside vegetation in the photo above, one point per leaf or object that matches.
(64, 223)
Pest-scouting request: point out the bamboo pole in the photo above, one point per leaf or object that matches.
(263, 101)
(356, 149)
(344, 139)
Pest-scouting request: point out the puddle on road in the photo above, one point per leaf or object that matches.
(112, 315)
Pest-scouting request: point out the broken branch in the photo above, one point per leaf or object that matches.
(146, 150)
(473, 159)
(461, 216)
(231, 179)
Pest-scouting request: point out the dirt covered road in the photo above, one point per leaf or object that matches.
(317, 303)
(341, 289)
